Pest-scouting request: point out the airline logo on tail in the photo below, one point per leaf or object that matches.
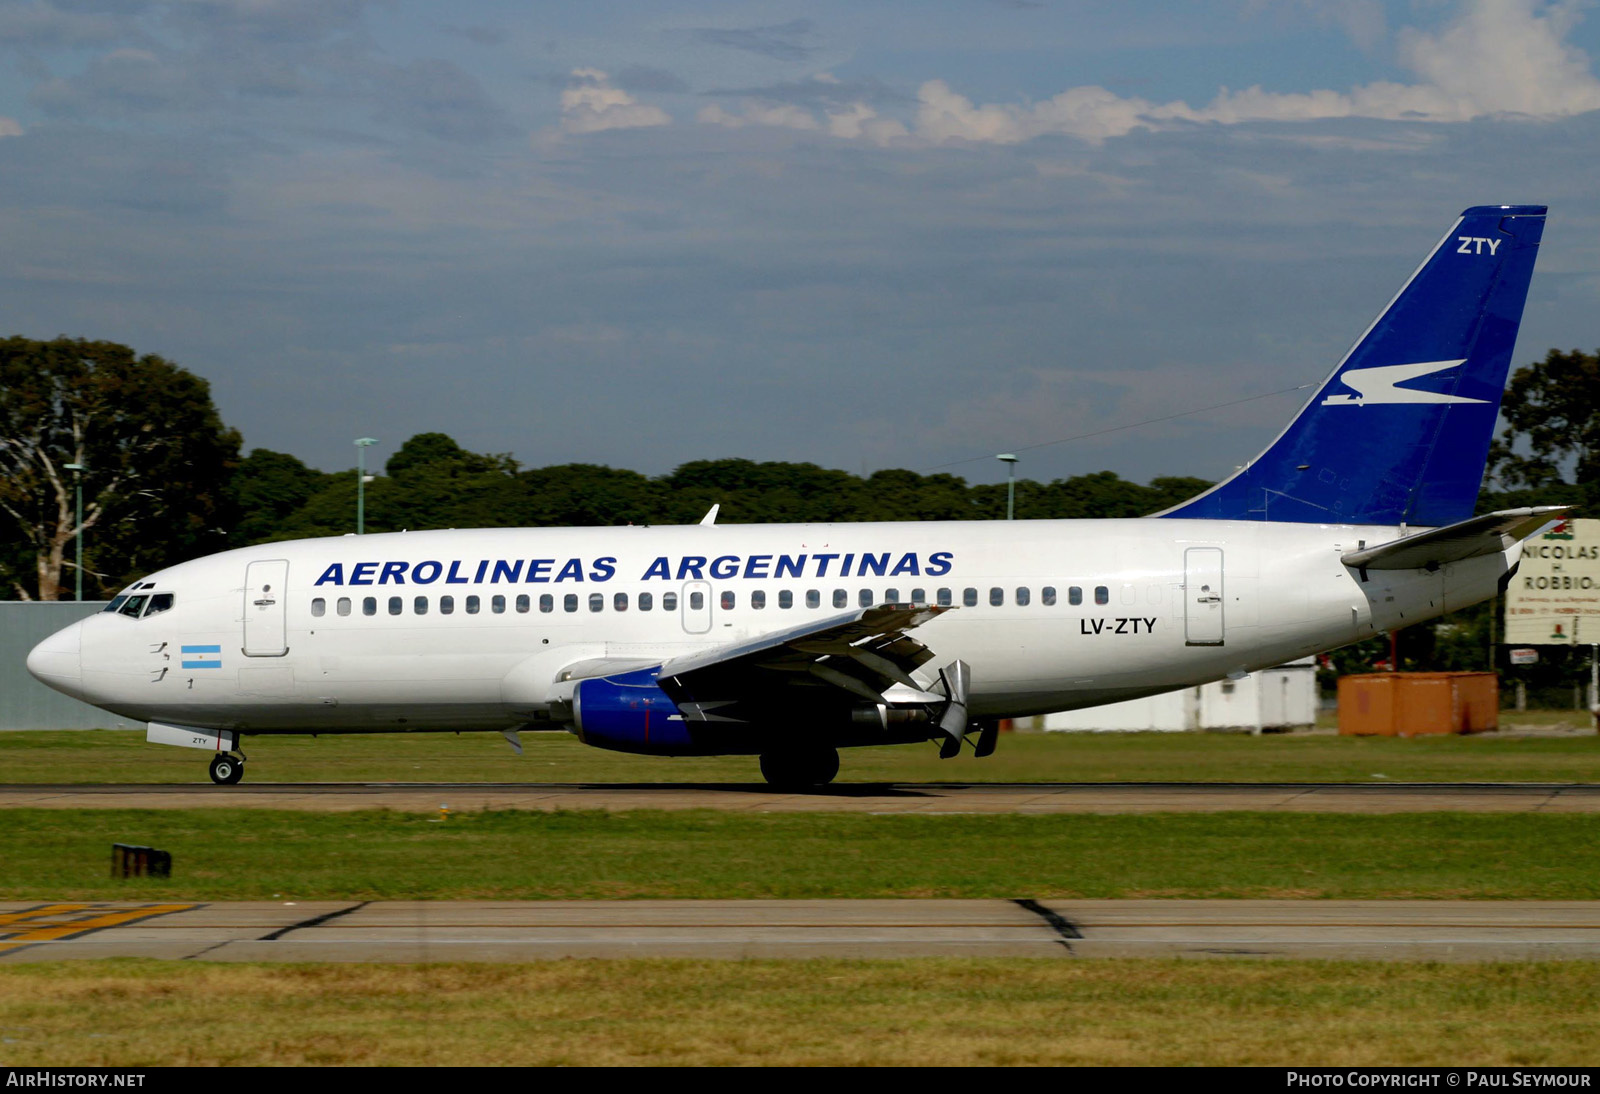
(1377, 385)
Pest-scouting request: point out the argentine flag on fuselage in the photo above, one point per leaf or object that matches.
(201, 657)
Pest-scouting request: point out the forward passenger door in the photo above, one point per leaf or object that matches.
(266, 632)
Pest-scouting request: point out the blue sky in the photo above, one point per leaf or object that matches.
(860, 234)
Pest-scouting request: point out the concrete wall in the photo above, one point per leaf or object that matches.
(24, 702)
(1279, 698)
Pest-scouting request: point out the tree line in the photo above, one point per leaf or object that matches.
(164, 479)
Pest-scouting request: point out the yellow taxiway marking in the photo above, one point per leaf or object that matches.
(8, 918)
(19, 929)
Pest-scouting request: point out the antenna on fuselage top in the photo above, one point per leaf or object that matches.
(711, 515)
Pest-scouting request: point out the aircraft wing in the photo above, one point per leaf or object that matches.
(862, 656)
(1485, 535)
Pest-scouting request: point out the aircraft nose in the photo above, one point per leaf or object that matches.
(56, 662)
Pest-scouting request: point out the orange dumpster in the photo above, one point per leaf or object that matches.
(1404, 704)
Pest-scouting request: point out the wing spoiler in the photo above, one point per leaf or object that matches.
(1485, 535)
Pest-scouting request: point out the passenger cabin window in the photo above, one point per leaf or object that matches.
(785, 598)
(919, 597)
(892, 596)
(813, 598)
(646, 601)
(1022, 596)
(841, 598)
(547, 603)
(864, 598)
(1074, 595)
(319, 607)
(447, 604)
(669, 602)
(420, 605)
(697, 601)
(344, 605)
(758, 599)
(944, 598)
(728, 600)
(524, 603)
(969, 597)
(997, 596)
(369, 605)
(497, 604)
(474, 605)
(597, 602)
(158, 604)
(1047, 596)
(620, 602)
(569, 603)
(395, 605)
(1102, 595)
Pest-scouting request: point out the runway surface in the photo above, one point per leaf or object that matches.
(929, 798)
(405, 932)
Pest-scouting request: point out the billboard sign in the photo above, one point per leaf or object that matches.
(1554, 599)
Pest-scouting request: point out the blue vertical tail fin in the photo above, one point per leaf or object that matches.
(1400, 432)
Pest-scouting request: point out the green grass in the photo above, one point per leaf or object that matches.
(119, 756)
(248, 854)
(908, 1012)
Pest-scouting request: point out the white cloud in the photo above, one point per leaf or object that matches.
(783, 115)
(1496, 57)
(860, 121)
(1092, 113)
(1507, 56)
(848, 120)
(591, 103)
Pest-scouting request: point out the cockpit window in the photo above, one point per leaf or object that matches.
(115, 604)
(134, 605)
(158, 603)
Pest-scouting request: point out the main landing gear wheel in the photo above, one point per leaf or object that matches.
(800, 769)
(226, 770)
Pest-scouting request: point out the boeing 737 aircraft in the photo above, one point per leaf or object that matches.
(790, 641)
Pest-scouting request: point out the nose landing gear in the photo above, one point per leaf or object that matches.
(226, 770)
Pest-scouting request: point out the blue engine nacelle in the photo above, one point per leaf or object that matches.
(629, 713)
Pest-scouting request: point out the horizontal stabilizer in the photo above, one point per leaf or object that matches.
(1486, 535)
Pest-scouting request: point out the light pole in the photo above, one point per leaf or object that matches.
(77, 470)
(362, 444)
(1011, 483)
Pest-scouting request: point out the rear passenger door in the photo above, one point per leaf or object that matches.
(1202, 596)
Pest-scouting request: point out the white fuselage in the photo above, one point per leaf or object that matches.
(354, 633)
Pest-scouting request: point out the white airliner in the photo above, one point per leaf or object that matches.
(792, 641)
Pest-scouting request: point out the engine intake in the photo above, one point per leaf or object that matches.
(630, 713)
